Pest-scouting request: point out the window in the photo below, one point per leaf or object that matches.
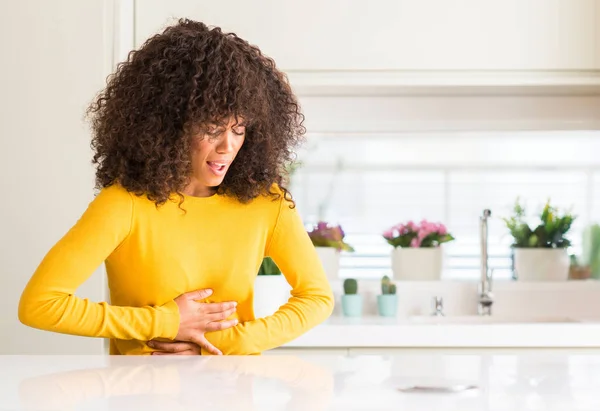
(368, 183)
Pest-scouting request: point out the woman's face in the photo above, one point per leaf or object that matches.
(213, 153)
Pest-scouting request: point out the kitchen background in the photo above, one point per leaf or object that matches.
(415, 110)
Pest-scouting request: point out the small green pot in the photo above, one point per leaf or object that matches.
(387, 305)
(352, 305)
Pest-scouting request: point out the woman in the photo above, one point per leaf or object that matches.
(192, 136)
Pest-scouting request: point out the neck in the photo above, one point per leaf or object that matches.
(198, 190)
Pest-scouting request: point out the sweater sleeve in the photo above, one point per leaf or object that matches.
(311, 300)
(48, 301)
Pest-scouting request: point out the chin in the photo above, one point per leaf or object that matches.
(208, 179)
(214, 182)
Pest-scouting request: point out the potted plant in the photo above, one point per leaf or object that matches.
(578, 270)
(417, 253)
(351, 300)
(329, 242)
(540, 253)
(591, 250)
(387, 302)
(271, 289)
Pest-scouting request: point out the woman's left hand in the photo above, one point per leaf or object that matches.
(174, 348)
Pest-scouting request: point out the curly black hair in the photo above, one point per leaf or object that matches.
(168, 91)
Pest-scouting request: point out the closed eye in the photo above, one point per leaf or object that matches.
(213, 132)
(240, 131)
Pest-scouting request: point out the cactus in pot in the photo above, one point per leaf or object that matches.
(387, 287)
(387, 302)
(350, 286)
(351, 300)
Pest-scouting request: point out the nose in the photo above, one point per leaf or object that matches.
(227, 142)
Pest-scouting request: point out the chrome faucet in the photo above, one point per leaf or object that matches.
(438, 306)
(486, 297)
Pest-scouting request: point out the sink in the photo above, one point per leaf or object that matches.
(476, 319)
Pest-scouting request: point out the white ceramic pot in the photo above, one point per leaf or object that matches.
(417, 264)
(542, 264)
(330, 259)
(270, 293)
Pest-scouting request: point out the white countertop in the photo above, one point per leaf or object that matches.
(550, 381)
(468, 331)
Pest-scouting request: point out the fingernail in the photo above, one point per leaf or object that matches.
(235, 304)
(209, 291)
(150, 344)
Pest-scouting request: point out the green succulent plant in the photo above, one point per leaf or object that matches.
(350, 286)
(550, 232)
(591, 249)
(268, 267)
(387, 287)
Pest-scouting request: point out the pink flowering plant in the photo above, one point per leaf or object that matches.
(424, 234)
(325, 235)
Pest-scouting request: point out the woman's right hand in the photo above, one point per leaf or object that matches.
(196, 318)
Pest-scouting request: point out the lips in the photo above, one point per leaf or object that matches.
(218, 167)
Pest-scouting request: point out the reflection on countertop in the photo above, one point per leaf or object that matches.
(164, 383)
(562, 380)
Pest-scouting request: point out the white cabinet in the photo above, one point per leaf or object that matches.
(394, 35)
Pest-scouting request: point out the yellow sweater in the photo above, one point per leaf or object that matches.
(153, 255)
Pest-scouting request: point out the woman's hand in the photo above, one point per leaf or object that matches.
(195, 320)
(174, 348)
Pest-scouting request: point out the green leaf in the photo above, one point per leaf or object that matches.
(446, 238)
(347, 247)
(532, 241)
(268, 267)
(402, 241)
(591, 249)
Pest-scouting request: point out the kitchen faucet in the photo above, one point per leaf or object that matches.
(486, 298)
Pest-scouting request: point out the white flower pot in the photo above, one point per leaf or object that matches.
(270, 293)
(330, 259)
(542, 264)
(417, 264)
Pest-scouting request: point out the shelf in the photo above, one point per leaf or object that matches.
(433, 82)
(341, 332)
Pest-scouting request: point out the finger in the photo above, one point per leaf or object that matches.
(211, 308)
(172, 347)
(187, 352)
(221, 325)
(198, 294)
(203, 342)
(220, 316)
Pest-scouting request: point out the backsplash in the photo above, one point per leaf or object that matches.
(579, 299)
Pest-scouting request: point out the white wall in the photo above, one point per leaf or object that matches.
(434, 113)
(54, 64)
(402, 34)
(419, 65)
